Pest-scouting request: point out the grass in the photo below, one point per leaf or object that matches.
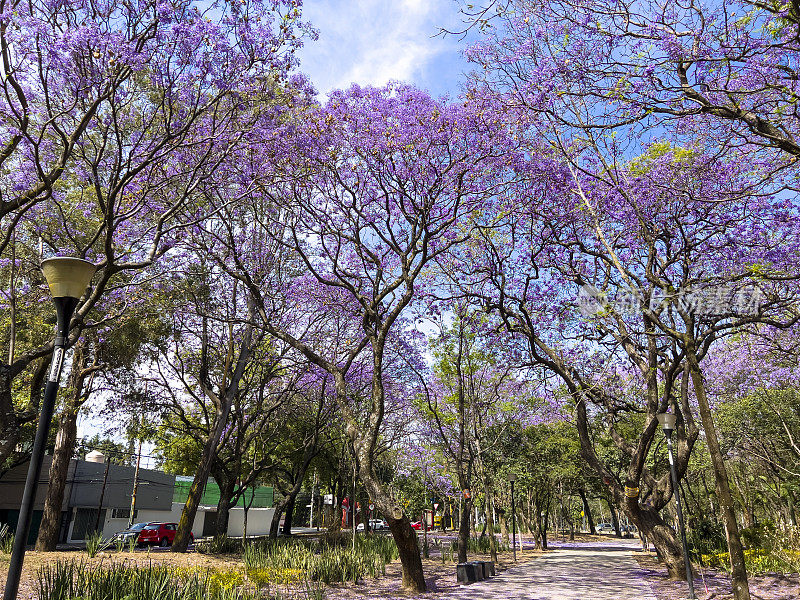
(327, 560)
(270, 569)
(79, 581)
(6, 540)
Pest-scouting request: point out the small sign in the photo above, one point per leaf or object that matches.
(328, 498)
(435, 506)
(467, 494)
(56, 363)
(372, 507)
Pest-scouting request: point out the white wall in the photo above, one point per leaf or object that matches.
(258, 521)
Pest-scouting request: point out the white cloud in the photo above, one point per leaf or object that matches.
(370, 42)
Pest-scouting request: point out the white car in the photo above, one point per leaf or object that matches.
(374, 525)
(605, 528)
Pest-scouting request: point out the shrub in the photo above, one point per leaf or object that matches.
(757, 561)
(758, 536)
(325, 560)
(706, 538)
(219, 544)
(6, 540)
(94, 543)
(77, 581)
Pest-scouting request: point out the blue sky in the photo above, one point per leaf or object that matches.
(371, 42)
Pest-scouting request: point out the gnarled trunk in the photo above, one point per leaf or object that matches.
(226, 488)
(399, 524)
(655, 530)
(408, 547)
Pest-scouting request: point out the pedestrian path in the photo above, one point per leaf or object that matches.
(596, 571)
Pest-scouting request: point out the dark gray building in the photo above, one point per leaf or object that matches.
(91, 488)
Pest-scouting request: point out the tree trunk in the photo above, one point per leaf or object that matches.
(289, 514)
(66, 437)
(247, 506)
(276, 517)
(223, 402)
(503, 526)
(739, 583)
(399, 524)
(614, 517)
(408, 547)
(463, 529)
(544, 531)
(535, 528)
(336, 509)
(655, 530)
(12, 420)
(587, 512)
(224, 505)
(490, 522)
(62, 454)
(792, 513)
(570, 523)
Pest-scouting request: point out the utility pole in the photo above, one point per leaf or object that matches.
(102, 494)
(136, 473)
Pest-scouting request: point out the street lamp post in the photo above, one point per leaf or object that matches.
(667, 422)
(511, 479)
(68, 279)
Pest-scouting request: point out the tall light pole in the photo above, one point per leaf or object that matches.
(68, 279)
(667, 422)
(511, 479)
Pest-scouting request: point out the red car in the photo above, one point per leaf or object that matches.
(416, 525)
(162, 534)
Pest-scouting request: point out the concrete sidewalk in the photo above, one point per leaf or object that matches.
(596, 571)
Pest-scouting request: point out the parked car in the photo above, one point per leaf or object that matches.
(416, 525)
(374, 525)
(379, 524)
(605, 528)
(132, 533)
(162, 534)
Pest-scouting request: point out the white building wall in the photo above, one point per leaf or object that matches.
(258, 521)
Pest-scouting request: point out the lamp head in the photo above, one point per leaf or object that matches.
(512, 478)
(667, 421)
(68, 277)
